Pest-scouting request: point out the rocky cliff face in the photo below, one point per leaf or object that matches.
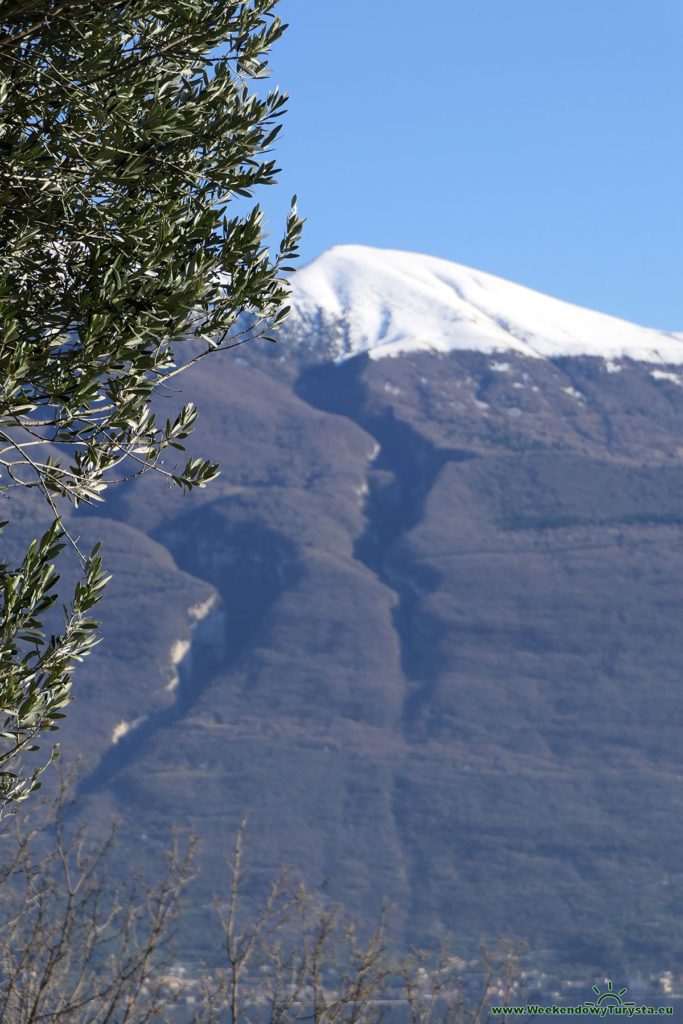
(441, 664)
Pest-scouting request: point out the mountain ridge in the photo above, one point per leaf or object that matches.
(388, 302)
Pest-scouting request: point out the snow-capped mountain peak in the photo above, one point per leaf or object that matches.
(386, 302)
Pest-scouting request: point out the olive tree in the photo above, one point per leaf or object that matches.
(127, 129)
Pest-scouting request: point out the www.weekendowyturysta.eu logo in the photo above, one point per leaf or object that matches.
(608, 998)
(606, 1004)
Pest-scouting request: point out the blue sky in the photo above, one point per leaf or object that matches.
(540, 140)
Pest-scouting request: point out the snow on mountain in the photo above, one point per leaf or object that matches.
(387, 303)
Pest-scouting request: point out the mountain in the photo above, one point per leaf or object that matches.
(355, 299)
(425, 628)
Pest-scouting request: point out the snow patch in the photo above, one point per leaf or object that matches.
(120, 730)
(197, 612)
(123, 728)
(675, 378)
(179, 650)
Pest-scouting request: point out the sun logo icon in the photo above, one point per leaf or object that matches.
(610, 997)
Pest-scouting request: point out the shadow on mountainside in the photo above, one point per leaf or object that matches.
(403, 472)
(250, 565)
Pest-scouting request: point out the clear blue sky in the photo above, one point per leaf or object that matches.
(541, 140)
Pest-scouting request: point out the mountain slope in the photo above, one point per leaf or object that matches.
(441, 660)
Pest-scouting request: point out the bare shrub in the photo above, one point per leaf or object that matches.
(77, 947)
